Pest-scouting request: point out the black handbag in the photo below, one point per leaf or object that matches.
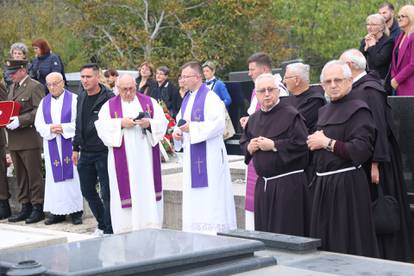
(386, 213)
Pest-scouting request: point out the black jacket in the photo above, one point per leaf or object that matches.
(379, 56)
(165, 92)
(88, 139)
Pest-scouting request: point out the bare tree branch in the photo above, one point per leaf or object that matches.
(113, 42)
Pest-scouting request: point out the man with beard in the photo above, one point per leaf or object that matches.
(341, 211)
(385, 167)
(387, 11)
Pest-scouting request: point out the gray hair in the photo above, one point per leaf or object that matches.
(267, 76)
(345, 68)
(57, 74)
(377, 18)
(301, 69)
(19, 46)
(356, 58)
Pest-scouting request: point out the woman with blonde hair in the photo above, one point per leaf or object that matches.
(377, 45)
(402, 66)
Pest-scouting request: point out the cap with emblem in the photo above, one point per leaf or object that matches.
(13, 65)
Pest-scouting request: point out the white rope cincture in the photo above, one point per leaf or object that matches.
(279, 176)
(338, 171)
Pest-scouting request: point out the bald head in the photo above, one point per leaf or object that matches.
(55, 84)
(126, 87)
(355, 60)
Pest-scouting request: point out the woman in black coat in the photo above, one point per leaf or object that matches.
(377, 45)
(45, 62)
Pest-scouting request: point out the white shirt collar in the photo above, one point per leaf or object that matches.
(359, 76)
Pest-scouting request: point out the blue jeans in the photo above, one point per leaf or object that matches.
(91, 167)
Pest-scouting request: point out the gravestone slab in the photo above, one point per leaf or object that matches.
(277, 241)
(148, 251)
(15, 238)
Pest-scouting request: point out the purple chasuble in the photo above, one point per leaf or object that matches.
(198, 153)
(251, 176)
(62, 167)
(121, 163)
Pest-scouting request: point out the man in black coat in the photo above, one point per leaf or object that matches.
(385, 166)
(89, 153)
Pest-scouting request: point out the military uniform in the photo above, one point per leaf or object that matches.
(25, 146)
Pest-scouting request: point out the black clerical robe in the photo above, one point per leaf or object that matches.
(400, 245)
(279, 203)
(308, 104)
(341, 211)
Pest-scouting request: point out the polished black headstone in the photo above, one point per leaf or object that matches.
(276, 241)
(149, 252)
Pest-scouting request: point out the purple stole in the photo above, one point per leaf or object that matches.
(198, 153)
(62, 168)
(251, 177)
(121, 163)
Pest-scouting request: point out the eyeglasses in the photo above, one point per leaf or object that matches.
(336, 81)
(52, 84)
(291, 77)
(268, 89)
(401, 16)
(371, 24)
(183, 77)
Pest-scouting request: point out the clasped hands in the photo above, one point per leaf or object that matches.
(317, 140)
(260, 143)
(56, 128)
(129, 122)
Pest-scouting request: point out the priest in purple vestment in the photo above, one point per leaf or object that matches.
(134, 164)
(55, 122)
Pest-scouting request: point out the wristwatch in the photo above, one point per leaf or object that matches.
(329, 146)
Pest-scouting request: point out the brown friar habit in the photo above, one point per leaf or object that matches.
(400, 245)
(279, 207)
(341, 211)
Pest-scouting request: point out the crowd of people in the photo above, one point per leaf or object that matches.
(319, 161)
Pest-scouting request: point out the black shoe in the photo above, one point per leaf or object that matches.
(23, 214)
(53, 219)
(36, 215)
(4, 209)
(76, 218)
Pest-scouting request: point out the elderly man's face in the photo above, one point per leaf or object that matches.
(290, 80)
(386, 13)
(267, 93)
(335, 84)
(55, 84)
(255, 70)
(127, 89)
